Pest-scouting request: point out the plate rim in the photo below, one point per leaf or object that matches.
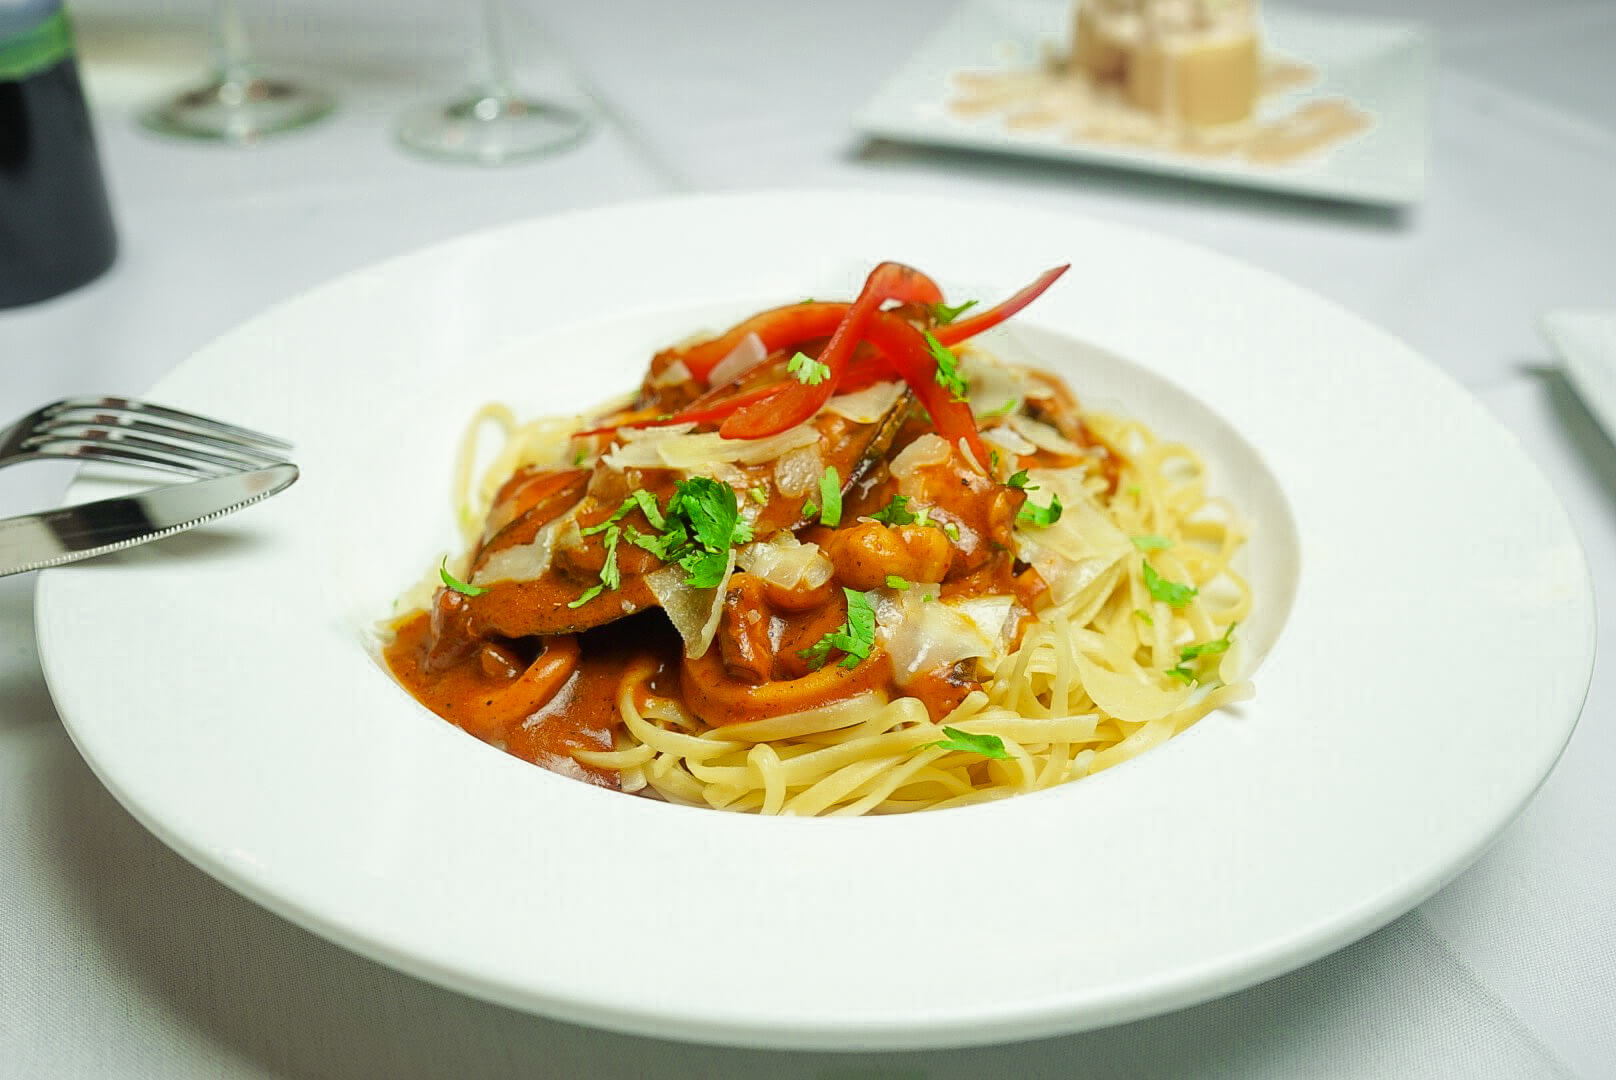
(1055, 1017)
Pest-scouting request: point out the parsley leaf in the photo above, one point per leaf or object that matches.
(855, 637)
(1145, 615)
(830, 496)
(1003, 410)
(1042, 516)
(1182, 674)
(588, 595)
(711, 512)
(638, 498)
(895, 512)
(945, 314)
(810, 508)
(896, 582)
(987, 745)
(951, 531)
(809, 372)
(948, 374)
(1208, 648)
(455, 583)
(1018, 479)
(704, 569)
(1151, 543)
(760, 495)
(1168, 592)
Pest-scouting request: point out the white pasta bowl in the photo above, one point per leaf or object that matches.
(1424, 623)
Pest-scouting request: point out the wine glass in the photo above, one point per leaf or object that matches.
(238, 104)
(491, 124)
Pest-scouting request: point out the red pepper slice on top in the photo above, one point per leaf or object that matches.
(906, 350)
(954, 333)
(793, 401)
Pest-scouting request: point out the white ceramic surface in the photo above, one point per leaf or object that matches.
(1586, 342)
(1431, 667)
(1379, 65)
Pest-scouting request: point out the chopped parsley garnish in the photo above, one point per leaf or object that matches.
(455, 583)
(1018, 479)
(1042, 516)
(945, 314)
(1208, 648)
(951, 531)
(760, 496)
(809, 372)
(987, 745)
(855, 637)
(1145, 615)
(896, 582)
(1168, 592)
(830, 497)
(1151, 543)
(586, 596)
(580, 457)
(644, 500)
(609, 576)
(948, 374)
(895, 512)
(1182, 674)
(810, 508)
(702, 522)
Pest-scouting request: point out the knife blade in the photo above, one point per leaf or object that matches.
(71, 533)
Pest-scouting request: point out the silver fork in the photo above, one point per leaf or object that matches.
(123, 431)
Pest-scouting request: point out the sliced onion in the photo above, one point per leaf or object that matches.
(747, 354)
(866, 406)
(787, 562)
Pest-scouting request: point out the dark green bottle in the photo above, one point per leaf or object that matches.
(55, 226)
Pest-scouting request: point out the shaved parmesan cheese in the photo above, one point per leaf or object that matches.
(798, 472)
(923, 635)
(787, 562)
(1005, 438)
(693, 612)
(866, 406)
(929, 449)
(1045, 437)
(1126, 697)
(523, 562)
(672, 375)
(670, 448)
(992, 383)
(1074, 551)
(746, 355)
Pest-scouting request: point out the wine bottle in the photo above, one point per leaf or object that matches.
(55, 226)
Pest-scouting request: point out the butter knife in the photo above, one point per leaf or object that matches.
(35, 541)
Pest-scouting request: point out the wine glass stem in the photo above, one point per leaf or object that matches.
(496, 58)
(230, 44)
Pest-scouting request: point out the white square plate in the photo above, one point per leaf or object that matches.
(1380, 66)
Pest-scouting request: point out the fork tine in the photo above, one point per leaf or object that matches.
(230, 458)
(225, 450)
(194, 420)
(113, 454)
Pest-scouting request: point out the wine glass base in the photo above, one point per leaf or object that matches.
(238, 110)
(490, 129)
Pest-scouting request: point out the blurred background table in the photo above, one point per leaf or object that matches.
(117, 958)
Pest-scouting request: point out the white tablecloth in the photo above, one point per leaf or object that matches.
(117, 958)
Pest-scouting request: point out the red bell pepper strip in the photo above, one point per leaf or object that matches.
(954, 333)
(905, 349)
(794, 402)
(776, 328)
